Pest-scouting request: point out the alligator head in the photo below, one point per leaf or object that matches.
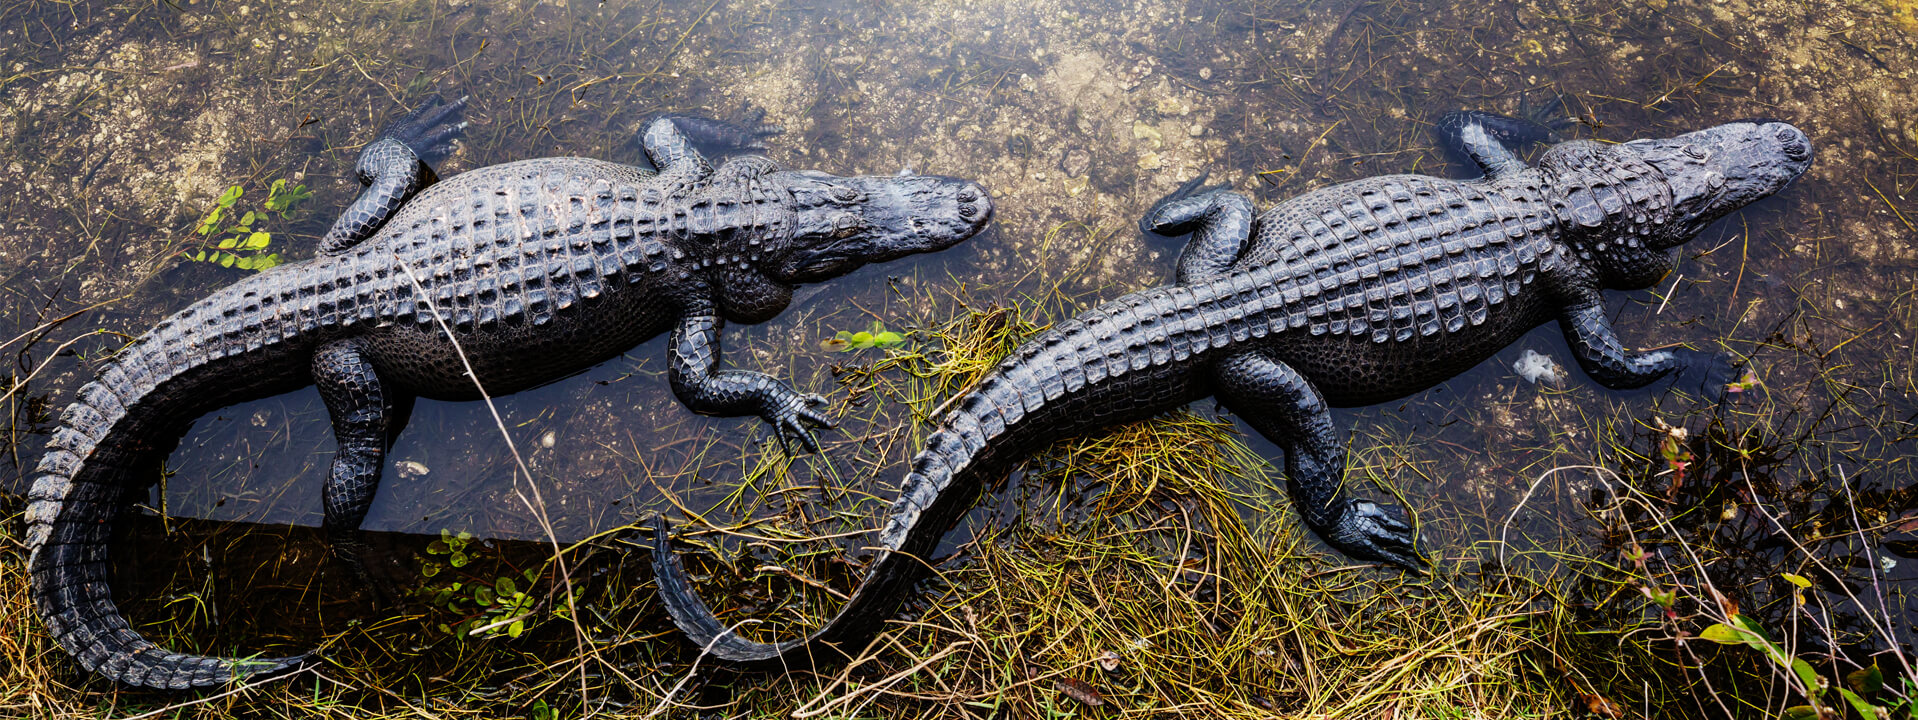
(842, 223)
(1629, 204)
(1715, 171)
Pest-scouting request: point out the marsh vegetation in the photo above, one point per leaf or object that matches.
(1596, 555)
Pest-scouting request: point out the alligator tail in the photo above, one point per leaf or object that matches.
(944, 481)
(119, 426)
(1127, 360)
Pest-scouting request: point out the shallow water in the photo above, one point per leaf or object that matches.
(121, 122)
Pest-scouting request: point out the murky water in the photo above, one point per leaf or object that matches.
(121, 122)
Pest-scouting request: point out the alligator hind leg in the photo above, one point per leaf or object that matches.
(394, 167)
(1220, 222)
(366, 417)
(1491, 142)
(1284, 407)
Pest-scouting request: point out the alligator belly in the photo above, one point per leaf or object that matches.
(1353, 371)
(514, 353)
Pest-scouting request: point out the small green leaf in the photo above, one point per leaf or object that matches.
(258, 240)
(505, 587)
(459, 559)
(518, 627)
(226, 259)
(889, 339)
(1724, 634)
(483, 595)
(1798, 580)
(531, 575)
(266, 261)
(247, 219)
(245, 263)
(431, 569)
(231, 196)
(437, 547)
(1867, 679)
(1865, 710)
(1807, 675)
(200, 256)
(228, 243)
(1800, 712)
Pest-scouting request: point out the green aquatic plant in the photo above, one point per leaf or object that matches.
(241, 243)
(488, 597)
(876, 336)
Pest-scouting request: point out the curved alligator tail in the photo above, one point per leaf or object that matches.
(1126, 360)
(120, 426)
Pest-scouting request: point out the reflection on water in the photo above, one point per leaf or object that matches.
(121, 123)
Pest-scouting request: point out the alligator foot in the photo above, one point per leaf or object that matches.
(1708, 374)
(747, 133)
(1366, 530)
(1549, 115)
(794, 418)
(429, 129)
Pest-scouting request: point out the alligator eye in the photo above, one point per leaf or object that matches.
(1714, 180)
(845, 194)
(1695, 152)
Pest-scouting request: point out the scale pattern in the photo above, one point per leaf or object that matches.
(540, 268)
(1351, 294)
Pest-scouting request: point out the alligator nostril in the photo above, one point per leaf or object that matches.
(967, 211)
(967, 195)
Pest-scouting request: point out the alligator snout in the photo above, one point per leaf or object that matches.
(973, 204)
(1791, 141)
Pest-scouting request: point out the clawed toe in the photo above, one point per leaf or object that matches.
(429, 129)
(1367, 531)
(1709, 374)
(1550, 115)
(795, 421)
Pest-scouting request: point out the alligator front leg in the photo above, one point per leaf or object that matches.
(366, 417)
(1604, 358)
(693, 368)
(1284, 407)
(1220, 223)
(669, 140)
(1491, 142)
(394, 168)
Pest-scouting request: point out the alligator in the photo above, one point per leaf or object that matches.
(485, 283)
(1347, 295)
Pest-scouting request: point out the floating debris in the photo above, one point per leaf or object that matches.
(1537, 368)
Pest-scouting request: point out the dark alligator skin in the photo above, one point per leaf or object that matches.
(540, 268)
(1348, 295)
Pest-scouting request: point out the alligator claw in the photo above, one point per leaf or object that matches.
(795, 418)
(1708, 374)
(1367, 531)
(429, 130)
(1550, 115)
(751, 122)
